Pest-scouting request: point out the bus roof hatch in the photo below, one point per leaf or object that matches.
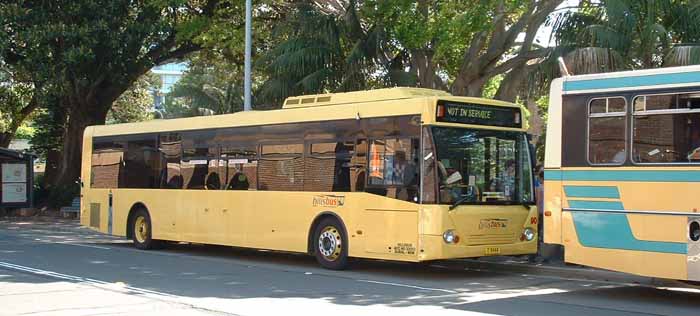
(360, 96)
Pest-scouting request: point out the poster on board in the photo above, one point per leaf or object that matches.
(14, 172)
(14, 192)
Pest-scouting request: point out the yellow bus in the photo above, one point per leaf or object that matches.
(398, 174)
(622, 171)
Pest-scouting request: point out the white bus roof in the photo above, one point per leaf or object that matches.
(658, 78)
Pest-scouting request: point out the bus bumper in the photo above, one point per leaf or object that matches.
(435, 248)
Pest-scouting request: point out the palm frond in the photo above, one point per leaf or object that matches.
(314, 82)
(683, 55)
(589, 60)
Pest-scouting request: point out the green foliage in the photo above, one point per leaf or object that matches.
(543, 109)
(57, 198)
(319, 53)
(491, 87)
(49, 126)
(87, 53)
(446, 28)
(208, 86)
(629, 34)
(15, 98)
(84, 43)
(135, 104)
(25, 131)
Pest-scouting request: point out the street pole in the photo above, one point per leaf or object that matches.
(248, 47)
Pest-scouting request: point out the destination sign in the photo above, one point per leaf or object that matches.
(478, 114)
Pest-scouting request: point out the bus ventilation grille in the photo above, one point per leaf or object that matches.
(495, 239)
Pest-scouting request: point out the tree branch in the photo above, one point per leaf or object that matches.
(518, 60)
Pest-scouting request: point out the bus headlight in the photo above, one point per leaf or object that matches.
(450, 237)
(529, 234)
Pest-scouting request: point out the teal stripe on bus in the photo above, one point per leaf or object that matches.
(585, 191)
(633, 81)
(596, 205)
(624, 175)
(613, 231)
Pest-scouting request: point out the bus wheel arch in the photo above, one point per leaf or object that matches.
(139, 216)
(319, 225)
(130, 218)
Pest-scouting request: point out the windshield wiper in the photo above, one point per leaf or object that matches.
(459, 201)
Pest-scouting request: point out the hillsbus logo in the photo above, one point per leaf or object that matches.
(493, 223)
(328, 200)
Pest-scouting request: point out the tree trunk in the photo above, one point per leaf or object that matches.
(469, 87)
(78, 119)
(511, 85)
(17, 120)
(6, 138)
(53, 155)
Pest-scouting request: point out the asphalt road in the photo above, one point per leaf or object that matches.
(51, 268)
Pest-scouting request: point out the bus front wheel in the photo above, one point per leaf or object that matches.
(142, 230)
(330, 244)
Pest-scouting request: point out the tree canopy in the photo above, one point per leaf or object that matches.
(69, 64)
(630, 34)
(89, 52)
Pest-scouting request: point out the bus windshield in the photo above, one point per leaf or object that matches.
(482, 166)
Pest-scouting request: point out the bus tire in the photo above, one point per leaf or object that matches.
(330, 244)
(142, 230)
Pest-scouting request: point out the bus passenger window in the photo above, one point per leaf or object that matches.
(107, 167)
(606, 131)
(170, 147)
(327, 167)
(199, 168)
(142, 163)
(241, 163)
(666, 128)
(393, 163)
(281, 167)
(358, 169)
(213, 181)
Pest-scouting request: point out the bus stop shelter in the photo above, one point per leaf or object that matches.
(17, 177)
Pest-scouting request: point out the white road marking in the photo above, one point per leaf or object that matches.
(409, 286)
(119, 287)
(88, 281)
(79, 245)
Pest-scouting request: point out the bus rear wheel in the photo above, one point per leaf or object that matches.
(142, 230)
(330, 244)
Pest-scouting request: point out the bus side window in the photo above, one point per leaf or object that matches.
(281, 167)
(241, 163)
(170, 148)
(327, 166)
(666, 128)
(107, 167)
(358, 170)
(199, 166)
(142, 163)
(606, 131)
(393, 168)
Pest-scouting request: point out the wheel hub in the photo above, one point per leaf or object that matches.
(330, 243)
(141, 229)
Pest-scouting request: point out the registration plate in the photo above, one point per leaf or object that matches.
(492, 251)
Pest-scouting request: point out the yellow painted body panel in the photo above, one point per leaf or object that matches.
(651, 198)
(633, 218)
(652, 264)
(377, 227)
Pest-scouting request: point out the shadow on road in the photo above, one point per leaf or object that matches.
(224, 275)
